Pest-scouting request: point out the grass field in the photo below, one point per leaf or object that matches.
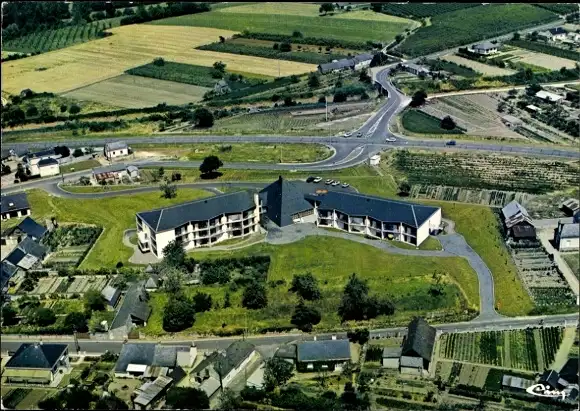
(405, 279)
(136, 91)
(417, 121)
(95, 189)
(113, 214)
(573, 261)
(431, 243)
(485, 69)
(81, 165)
(285, 18)
(130, 46)
(265, 153)
(464, 26)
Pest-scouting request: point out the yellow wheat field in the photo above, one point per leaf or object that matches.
(130, 46)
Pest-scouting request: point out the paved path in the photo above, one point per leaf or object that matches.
(551, 222)
(138, 257)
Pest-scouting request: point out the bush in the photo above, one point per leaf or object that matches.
(254, 296)
(74, 109)
(78, 152)
(178, 315)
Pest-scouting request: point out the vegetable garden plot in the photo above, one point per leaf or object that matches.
(493, 198)
(69, 244)
(526, 349)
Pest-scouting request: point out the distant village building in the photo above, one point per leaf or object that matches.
(557, 34)
(391, 357)
(568, 236)
(116, 149)
(48, 167)
(357, 62)
(511, 121)
(549, 97)
(328, 355)
(517, 221)
(375, 160)
(485, 48)
(14, 206)
(115, 173)
(416, 69)
(221, 87)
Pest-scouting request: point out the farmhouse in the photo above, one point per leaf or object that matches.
(36, 363)
(207, 222)
(115, 173)
(322, 355)
(134, 310)
(391, 357)
(227, 364)
(557, 34)
(417, 347)
(568, 236)
(150, 360)
(549, 97)
(14, 206)
(485, 48)
(357, 62)
(362, 61)
(416, 69)
(515, 215)
(50, 153)
(511, 121)
(116, 149)
(221, 87)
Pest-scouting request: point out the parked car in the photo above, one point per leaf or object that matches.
(345, 185)
(359, 134)
(317, 180)
(348, 134)
(335, 183)
(329, 181)
(310, 179)
(390, 140)
(451, 143)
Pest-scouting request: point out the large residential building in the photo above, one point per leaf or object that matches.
(14, 206)
(36, 363)
(199, 223)
(209, 221)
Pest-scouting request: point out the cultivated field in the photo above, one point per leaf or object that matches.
(80, 284)
(130, 46)
(484, 69)
(540, 59)
(476, 113)
(285, 18)
(136, 91)
(492, 198)
(529, 349)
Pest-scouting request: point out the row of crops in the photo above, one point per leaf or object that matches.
(47, 40)
(420, 10)
(493, 198)
(490, 172)
(529, 349)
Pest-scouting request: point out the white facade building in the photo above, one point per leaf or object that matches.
(568, 237)
(116, 149)
(375, 160)
(485, 49)
(48, 167)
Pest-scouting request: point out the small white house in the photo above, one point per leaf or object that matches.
(116, 149)
(573, 36)
(48, 167)
(568, 237)
(485, 49)
(391, 357)
(549, 97)
(375, 160)
(511, 121)
(557, 34)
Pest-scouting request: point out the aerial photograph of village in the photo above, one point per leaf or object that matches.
(289, 206)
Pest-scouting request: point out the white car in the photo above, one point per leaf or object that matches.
(390, 140)
(329, 181)
(335, 183)
(317, 180)
(348, 134)
(345, 185)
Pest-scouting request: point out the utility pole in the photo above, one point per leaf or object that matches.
(76, 341)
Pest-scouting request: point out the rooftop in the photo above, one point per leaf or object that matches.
(168, 218)
(134, 305)
(114, 168)
(150, 391)
(13, 202)
(327, 350)
(117, 145)
(111, 294)
(546, 95)
(392, 352)
(557, 30)
(47, 162)
(336, 65)
(35, 355)
(284, 198)
(411, 362)
(148, 354)
(485, 46)
(571, 230)
(515, 213)
(516, 382)
(30, 228)
(420, 339)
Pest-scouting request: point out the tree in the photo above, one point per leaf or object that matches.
(111, 402)
(305, 317)
(74, 109)
(159, 61)
(277, 372)
(306, 286)
(297, 34)
(64, 151)
(6, 169)
(379, 59)
(186, 397)
(172, 281)
(533, 88)
(229, 400)
(220, 66)
(31, 111)
(76, 321)
(94, 301)
(404, 188)
(534, 36)
(275, 46)
(254, 296)
(313, 80)
(8, 316)
(210, 165)
(222, 39)
(285, 47)
(215, 274)
(173, 255)
(339, 97)
(359, 336)
(418, 98)
(168, 190)
(288, 101)
(78, 152)
(364, 77)
(202, 302)
(42, 317)
(447, 123)
(227, 302)
(501, 106)
(202, 117)
(178, 315)
(326, 8)
(516, 36)
(84, 181)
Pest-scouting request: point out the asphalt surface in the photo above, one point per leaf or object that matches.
(11, 343)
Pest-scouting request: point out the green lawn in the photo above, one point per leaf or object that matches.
(81, 165)
(406, 280)
(96, 189)
(417, 121)
(68, 306)
(264, 153)
(431, 243)
(465, 26)
(573, 261)
(34, 396)
(287, 19)
(114, 214)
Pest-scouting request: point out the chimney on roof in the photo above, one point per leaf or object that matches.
(12, 204)
(279, 179)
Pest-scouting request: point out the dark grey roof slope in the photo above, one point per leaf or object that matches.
(43, 153)
(152, 281)
(156, 355)
(570, 230)
(235, 354)
(284, 198)
(47, 162)
(114, 168)
(18, 201)
(328, 350)
(32, 228)
(6, 272)
(420, 340)
(557, 30)
(336, 65)
(381, 209)
(363, 57)
(29, 246)
(168, 218)
(392, 352)
(15, 256)
(134, 305)
(569, 371)
(43, 356)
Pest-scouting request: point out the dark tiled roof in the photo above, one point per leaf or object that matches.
(392, 352)
(115, 168)
(557, 30)
(328, 350)
(363, 57)
(43, 356)
(19, 201)
(6, 272)
(286, 351)
(569, 371)
(524, 231)
(29, 246)
(32, 228)
(284, 198)
(152, 281)
(381, 209)
(199, 210)
(15, 256)
(134, 305)
(550, 377)
(235, 354)
(336, 65)
(156, 355)
(420, 340)
(43, 153)
(47, 162)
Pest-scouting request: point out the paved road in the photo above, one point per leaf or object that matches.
(11, 343)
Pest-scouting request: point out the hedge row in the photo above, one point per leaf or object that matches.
(318, 41)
